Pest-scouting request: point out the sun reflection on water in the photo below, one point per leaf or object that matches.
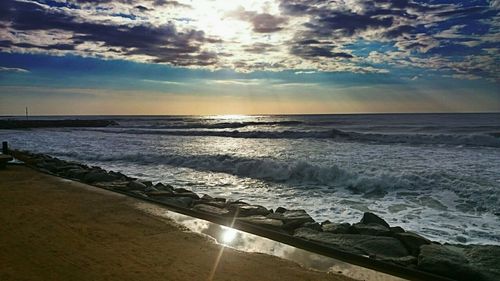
(232, 116)
(228, 234)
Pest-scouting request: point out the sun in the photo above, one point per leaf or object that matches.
(214, 17)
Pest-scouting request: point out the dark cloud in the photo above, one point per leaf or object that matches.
(142, 8)
(162, 43)
(346, 24)
(60, 47)
(300, 7)
(260, 48)
(262, 22)
(170, 3)
(309, 51)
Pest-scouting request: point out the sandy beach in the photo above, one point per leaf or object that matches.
(56, 229)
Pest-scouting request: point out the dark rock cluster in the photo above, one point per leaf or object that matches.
(372, 236)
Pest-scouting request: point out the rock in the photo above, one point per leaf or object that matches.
(326, 222)
(169, 193)
(237, 203)
(312, 225)
(397, 229)
(118, 175)
(136, 185)
(262, 220)
(163, 187)
(372, 218)
(461, 239)
(147, 183)
(369, 229)
(77, 174)
(183, 202)
(337, 228)
(243, 210)
(47, 165)
(98, 176)
(160, 193)
(181, 190)
(211, 210)
(187, 194)
(291, 219)
(408, 261)
(447, 261)
(486, 258)
(119, 185)
(206, 197)
(138, 193)
(380, 247)
(412, 241)
(280, 210)
(215, 203)
(150, 189)
(65, 167)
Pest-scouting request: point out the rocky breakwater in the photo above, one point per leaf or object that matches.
(25, 124)
(371, 237)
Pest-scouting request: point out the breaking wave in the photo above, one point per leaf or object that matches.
(486, 140)
(266, 169)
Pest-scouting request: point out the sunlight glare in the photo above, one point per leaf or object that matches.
(228, 235)
(233, 116)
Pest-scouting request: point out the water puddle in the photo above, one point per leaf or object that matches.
(247, 242)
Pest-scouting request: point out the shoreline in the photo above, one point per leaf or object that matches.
(56, 229)
(387, 249)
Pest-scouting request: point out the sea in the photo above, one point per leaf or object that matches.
(435, 174)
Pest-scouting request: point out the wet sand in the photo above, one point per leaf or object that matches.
(56, 229)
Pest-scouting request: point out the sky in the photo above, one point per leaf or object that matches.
(166, 57)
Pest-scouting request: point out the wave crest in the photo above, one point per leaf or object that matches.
(300, 172)
(486, 140)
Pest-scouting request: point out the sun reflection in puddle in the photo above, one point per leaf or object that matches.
(228, 234)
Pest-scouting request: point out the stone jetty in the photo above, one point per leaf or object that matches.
(26, 124)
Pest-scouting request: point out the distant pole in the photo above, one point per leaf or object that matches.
(26, 113)
(5, 147)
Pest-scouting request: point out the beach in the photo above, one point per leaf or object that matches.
(57, 229)
(412, 169)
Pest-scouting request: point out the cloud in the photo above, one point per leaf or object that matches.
(13, 69)
(261, 22)
(304, 72)
(361, 36)
(154, 43)
(312, 51)
(241, 82)
(163, 82)
(170, 3)
(261, 48)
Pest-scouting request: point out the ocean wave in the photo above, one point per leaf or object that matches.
(485, 140)
(300, 172)
(220, 125)
(310, 176)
